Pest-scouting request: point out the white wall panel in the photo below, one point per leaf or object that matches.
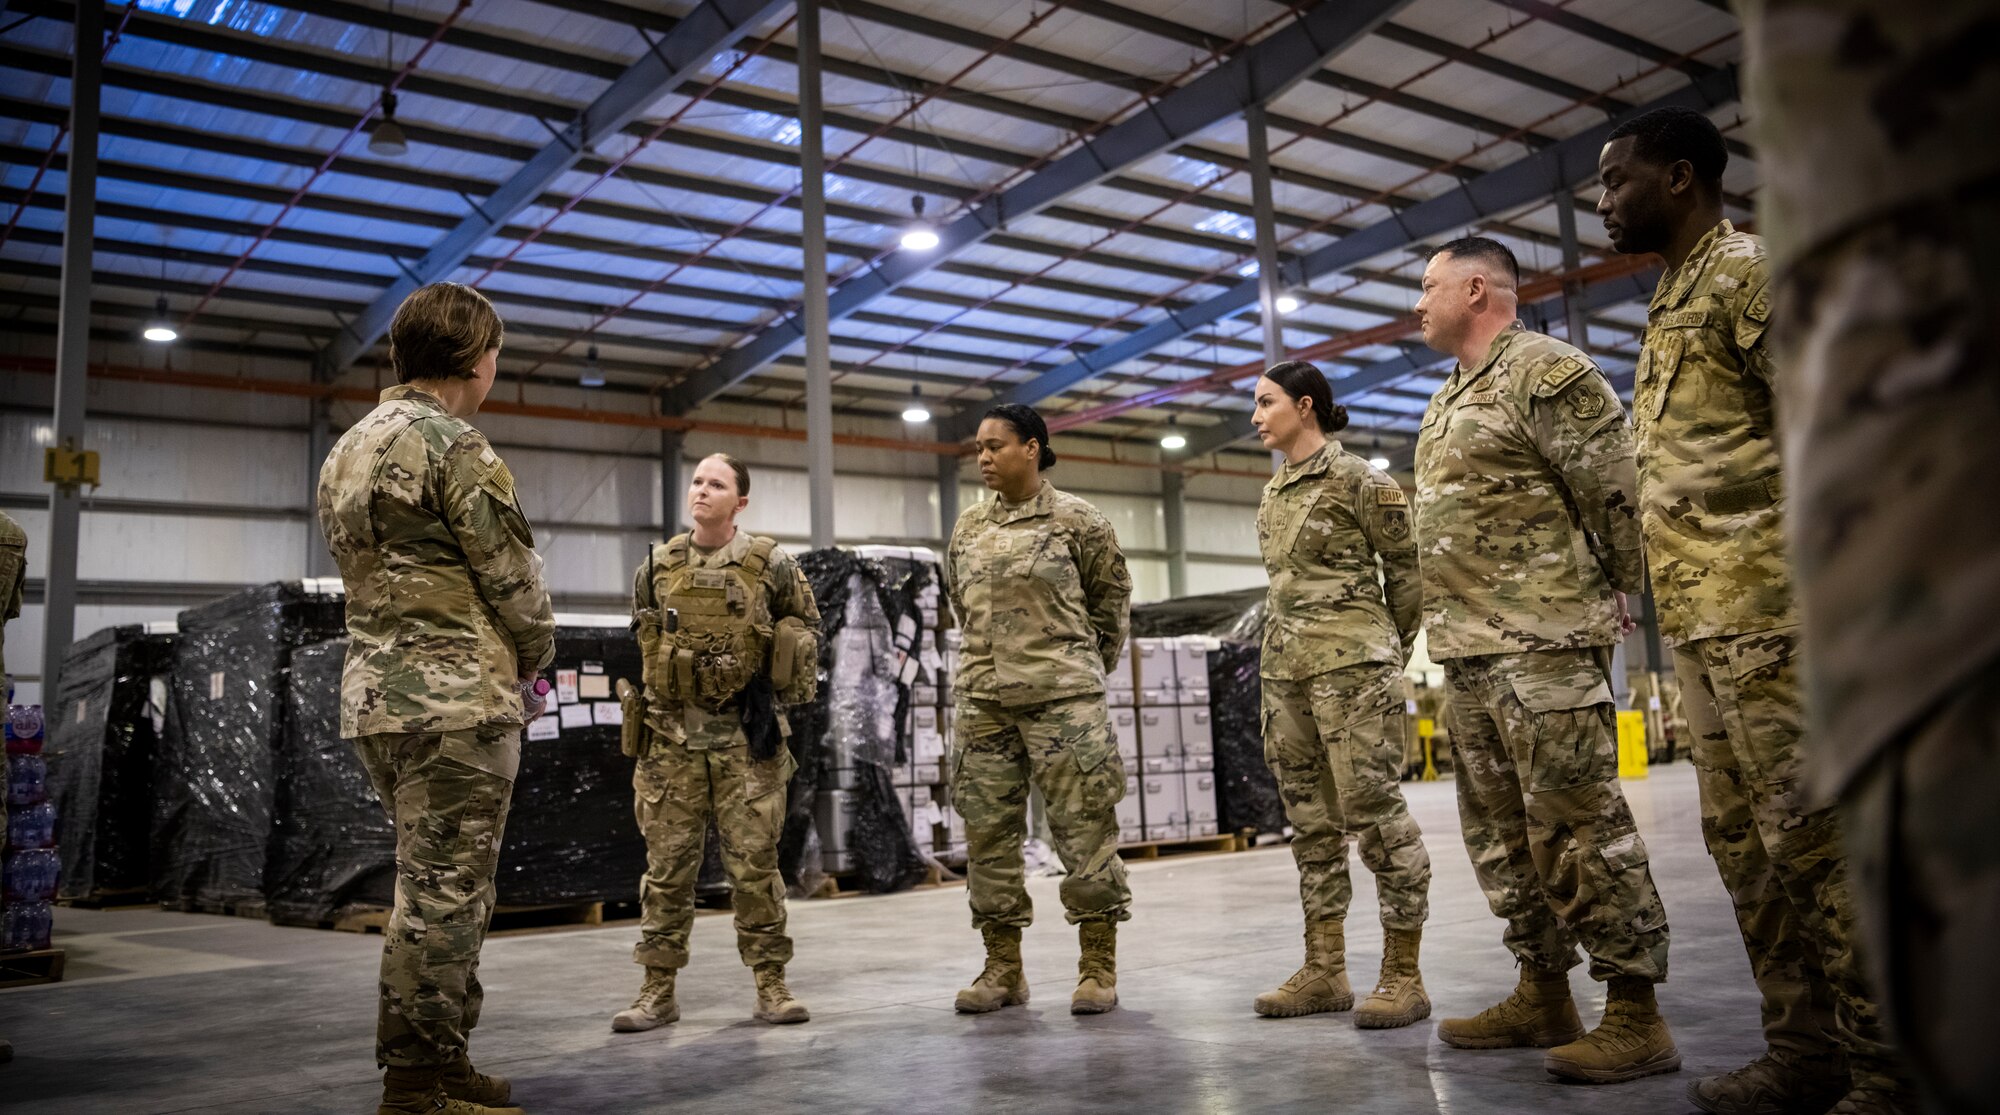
(1214, 576)
(157, 460)
(1221, 528)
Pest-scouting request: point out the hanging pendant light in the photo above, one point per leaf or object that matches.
(918, 235)
(1172, 439)
(916, 413)
(592, 375)
(160, 329)
(1287, 303)
(385, 136)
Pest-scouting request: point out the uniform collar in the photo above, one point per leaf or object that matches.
(1315, 465)
(729, 553)
(1675, 285)
(1041, 503)
(414, 394)
(1461, 377)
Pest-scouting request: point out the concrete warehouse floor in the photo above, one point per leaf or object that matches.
(173, 1012)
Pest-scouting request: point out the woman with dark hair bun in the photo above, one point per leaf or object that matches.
(1042, 594)
(1335, 643)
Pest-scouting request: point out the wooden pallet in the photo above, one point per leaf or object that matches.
(842, 884)
(128, 899)
(23, 969)
(1154, 849)
(244, 908)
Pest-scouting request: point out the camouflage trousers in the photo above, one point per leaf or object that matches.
(1065, 749)
(1335, 744)
(447, 795)
(1552, 841)
(1780, 856)
(677, 789)
(1926, 868)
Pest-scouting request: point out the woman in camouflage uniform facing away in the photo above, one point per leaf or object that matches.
(1335, 641)
(1040, 587)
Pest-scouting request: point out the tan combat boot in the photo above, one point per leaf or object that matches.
(1632, 1041)
(1096, 969)
(774, 1000)
(1319, 986)
(1399, 998)
(419, 1091)
(463, 1082)
(1539, 1014)
(654, 1007)
(1002, 983)
(1778, 1081)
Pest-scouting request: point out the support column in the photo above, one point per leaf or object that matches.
(1579, 330)
(819, 362)
(73, 337)
(949, 467)
(1264, 214)
(319, 442)
(1173, 498)
(673, 481)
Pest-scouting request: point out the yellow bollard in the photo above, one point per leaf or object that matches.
(1631, 744)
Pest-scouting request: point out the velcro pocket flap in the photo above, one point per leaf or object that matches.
(1625, 852)
(1579, 688)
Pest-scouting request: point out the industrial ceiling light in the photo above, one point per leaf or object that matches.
(1379, 462)
(385, 136)
(1172, 439)
(160, 329)
(916, 413)
(918, 235)
(592, 375)
(1287, 303)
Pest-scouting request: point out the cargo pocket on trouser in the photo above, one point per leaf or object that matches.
(1573, 735)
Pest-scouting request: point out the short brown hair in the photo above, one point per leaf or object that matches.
(440, 332)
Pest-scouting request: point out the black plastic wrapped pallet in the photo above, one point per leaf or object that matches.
(213, 797)
(332, 847)
(104, 727)
(571, 835)
(1246, 793)
(886, 856)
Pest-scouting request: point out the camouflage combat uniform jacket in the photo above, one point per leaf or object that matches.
(1711, 498)
(1043, 594)
(13, 576)
(446, 606)
(1526, 509)
(1320, 526)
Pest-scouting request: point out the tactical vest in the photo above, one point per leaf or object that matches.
(722, 631)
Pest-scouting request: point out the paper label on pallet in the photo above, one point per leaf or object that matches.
(548, 727)
(215, 686)
(592, 687)
(593, 667)
(575, 716)
(607, 712)
(82, 709)
(566, 687)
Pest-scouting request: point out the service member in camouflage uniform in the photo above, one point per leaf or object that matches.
(1712, 512)
(447, 615)
(710, 608)
(1336, 638)
(13, 578)
(1874, 128)
(1041, 591)
(1527, 535)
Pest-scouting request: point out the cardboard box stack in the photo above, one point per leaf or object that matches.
(1160, 713)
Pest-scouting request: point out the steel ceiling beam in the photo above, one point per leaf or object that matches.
(1257, 75)
(1561, 166)
(714, 26)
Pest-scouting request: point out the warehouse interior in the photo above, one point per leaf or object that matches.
(822, 237)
